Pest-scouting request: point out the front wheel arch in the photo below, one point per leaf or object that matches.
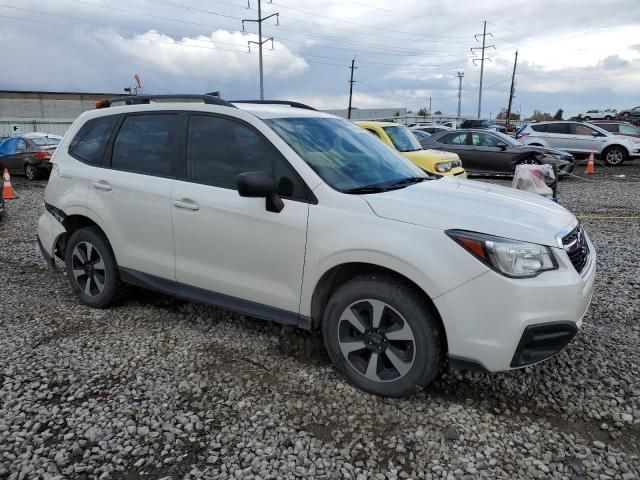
(341, 274)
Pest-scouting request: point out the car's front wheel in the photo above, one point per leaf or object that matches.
(382, 335)
(91, 268)
(608, 117)
(586, 119)
(614, 156)
(626, 115)
(32, 172)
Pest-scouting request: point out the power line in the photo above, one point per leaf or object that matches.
(482, 59)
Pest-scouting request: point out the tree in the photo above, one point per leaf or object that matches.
(423, 112)
(540, 116)
(438, 112)
(558, 115)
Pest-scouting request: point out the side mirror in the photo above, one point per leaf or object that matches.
(260, 185)
(595, 134)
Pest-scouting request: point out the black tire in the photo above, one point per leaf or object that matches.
(614, 156)
(608, 117)
(111, 290)
(626, 115)
(586, 119)
(31, 172)
(406, 304)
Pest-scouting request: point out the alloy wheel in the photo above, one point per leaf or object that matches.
(615, 156)
(376, 340)
(88, 269)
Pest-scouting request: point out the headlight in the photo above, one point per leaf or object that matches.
(443, 167)
(509, 257)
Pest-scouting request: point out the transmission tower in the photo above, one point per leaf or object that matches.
(260, 41)
(481, 60)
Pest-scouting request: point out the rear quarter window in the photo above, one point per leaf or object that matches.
(539, 128)
(89, 143)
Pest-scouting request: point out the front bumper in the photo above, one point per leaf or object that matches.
(500, 323)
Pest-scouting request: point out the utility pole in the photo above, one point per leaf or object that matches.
(482, 59)
(430, 113)
(460, 75)
(260, 41)
(351, 82)
(513, 86)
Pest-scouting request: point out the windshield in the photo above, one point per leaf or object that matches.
(44, 141)
(344, 155)
(402, 138)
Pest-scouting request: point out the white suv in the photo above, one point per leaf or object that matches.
(581, 139)
(296, 216)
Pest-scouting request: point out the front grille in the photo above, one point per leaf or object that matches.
(575, 244)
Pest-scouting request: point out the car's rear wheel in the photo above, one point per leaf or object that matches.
(614, 156)
(587, 119)
(608, 117)
(91, 268)
(626, 115)
(32, 172)
(382, 335)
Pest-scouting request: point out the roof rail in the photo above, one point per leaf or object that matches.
(143, 99)
(275, 102)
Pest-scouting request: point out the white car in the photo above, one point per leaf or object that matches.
(597, 115)
(581, 139)
(296, 216)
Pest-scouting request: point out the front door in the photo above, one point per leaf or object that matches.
(230, 247)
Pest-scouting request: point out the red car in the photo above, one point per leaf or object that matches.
(618, 128)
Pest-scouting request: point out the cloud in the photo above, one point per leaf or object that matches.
(222, 56)
(613, 62)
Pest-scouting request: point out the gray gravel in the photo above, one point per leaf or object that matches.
(161, 388)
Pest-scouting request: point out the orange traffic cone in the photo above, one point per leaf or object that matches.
(7, 190)
(590, 166)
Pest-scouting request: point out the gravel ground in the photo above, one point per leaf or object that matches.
(161, 388)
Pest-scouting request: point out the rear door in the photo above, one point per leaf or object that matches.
(559, 135)
(460, 143)
(234, 251)
(15, 151)
(131, 193)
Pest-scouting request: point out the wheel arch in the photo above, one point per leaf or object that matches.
(340, 274)
(71, 223)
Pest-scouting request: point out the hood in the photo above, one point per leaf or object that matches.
(451, 203)
(431, 155)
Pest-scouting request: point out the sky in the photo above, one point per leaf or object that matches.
(574, 55)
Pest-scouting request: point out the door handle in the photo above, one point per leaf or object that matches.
(102, 185)
(187, 204)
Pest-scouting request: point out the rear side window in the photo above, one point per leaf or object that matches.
(373, 132)
(560, 128)
(539, 128)
(218, 149)
(89, 143)
(144, 144)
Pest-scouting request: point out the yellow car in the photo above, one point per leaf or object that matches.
(400, 137)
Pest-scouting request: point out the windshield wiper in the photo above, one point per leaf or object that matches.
(407, 181)
(366, 189)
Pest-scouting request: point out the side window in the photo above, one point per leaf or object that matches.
(218, 149)
(561, 128)
(144, 144)
(539, 128)
(373, 132)
(89, 143)
(20, 146)
(582, 130)
(458, 139)
(610, 127)
(484, 140)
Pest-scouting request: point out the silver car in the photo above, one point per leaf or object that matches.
(581, 139)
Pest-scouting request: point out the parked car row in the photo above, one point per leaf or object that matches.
(610, 114)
